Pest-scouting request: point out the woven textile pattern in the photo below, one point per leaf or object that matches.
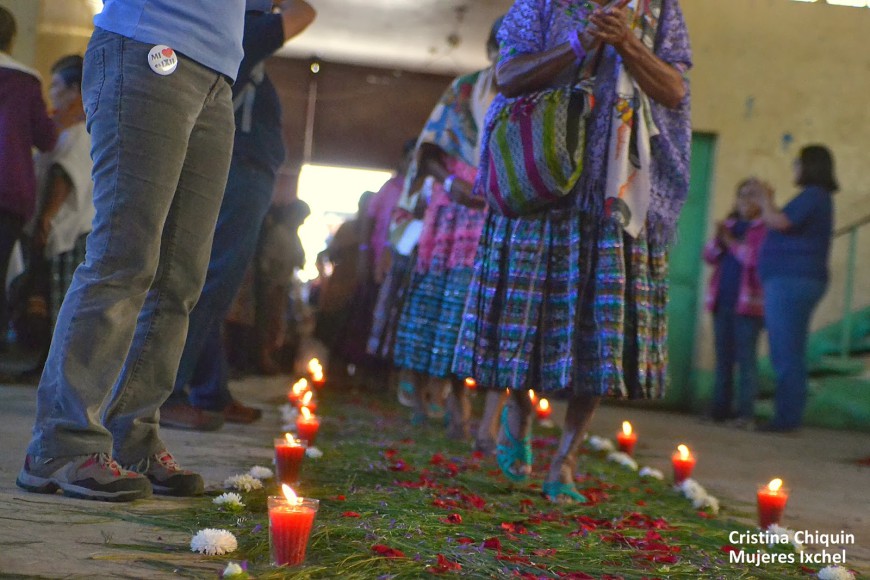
(429, 324)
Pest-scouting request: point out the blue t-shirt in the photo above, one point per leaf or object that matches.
(730, 271)
(802, 250)
(203, 30)
(259, 141)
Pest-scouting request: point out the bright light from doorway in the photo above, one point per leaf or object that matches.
(333, 194)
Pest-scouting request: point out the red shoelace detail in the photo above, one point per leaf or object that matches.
(168, 461)
(105, 460)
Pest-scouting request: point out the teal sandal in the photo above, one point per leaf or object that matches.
(515, 451)
(552, 490)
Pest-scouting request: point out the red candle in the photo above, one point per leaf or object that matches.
(771, 503)
(683, 462)
(298, 390)
(627, 438)
(315, 369)
(307, 426)
(307, 400)
(288, 458)
(470, 383)
(290, 522)
(544, 410)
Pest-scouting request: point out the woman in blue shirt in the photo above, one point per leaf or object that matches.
(794, 272)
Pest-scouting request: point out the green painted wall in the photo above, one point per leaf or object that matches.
(685, 275)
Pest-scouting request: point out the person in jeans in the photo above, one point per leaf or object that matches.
(65, 201)
(257, 155)
(157, 96)
(794, 272)
(24, 125)
(736, 300)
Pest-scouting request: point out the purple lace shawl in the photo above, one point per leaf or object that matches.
(537, 25)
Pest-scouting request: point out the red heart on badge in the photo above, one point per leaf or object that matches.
(168, 52)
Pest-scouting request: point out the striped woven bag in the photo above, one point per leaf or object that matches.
(534, 154)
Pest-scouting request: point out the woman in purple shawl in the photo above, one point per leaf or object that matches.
(571, 301)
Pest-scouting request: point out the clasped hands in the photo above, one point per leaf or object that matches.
(608, 24)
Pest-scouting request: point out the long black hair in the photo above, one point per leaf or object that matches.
(817, 168)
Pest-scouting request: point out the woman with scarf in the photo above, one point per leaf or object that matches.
(441, 180)
(571, 301)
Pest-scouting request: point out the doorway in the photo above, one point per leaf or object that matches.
(685, 274)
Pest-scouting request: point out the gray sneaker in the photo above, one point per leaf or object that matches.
(167, 477)
(95, 476)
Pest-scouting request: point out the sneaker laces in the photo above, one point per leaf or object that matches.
(105, 460)
(166, 459)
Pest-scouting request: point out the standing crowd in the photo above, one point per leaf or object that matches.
(523, 243)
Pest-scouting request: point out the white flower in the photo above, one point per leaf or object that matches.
(232, 570)
(706, 501)
(261, 473)
(623, 459)
(779, 530)
(314, 453)
(692, 489)
(835, 573)
(600, 444)
(651, 472)
(230, 500)
(243, 482)
(213, 542)
(699, 497)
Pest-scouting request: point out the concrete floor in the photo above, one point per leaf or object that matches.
(59, 537)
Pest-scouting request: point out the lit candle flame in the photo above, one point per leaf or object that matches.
(316, 370)
(470, 383)
(532, 396)
(300, 386)
(684, 452)
(290, 439)
(291, 496)
(544, 405)
(774, 485)
(626, 429)
(306, 414)
(307, 398)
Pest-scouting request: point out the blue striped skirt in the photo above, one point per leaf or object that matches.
(430, 320)
(564, 303)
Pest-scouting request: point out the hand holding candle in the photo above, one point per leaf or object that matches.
(626, 439)
(288, 458)
(307, 426)
(683, 462)
(290, 521)
(771, 503)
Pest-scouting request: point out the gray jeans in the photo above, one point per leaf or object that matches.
(161, 147)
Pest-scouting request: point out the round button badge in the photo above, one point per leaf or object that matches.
(163, 60)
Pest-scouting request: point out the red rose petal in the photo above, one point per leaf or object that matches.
(444, 565)
(350, 515)
(492, 544)
(452, 519)
(387, 552)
